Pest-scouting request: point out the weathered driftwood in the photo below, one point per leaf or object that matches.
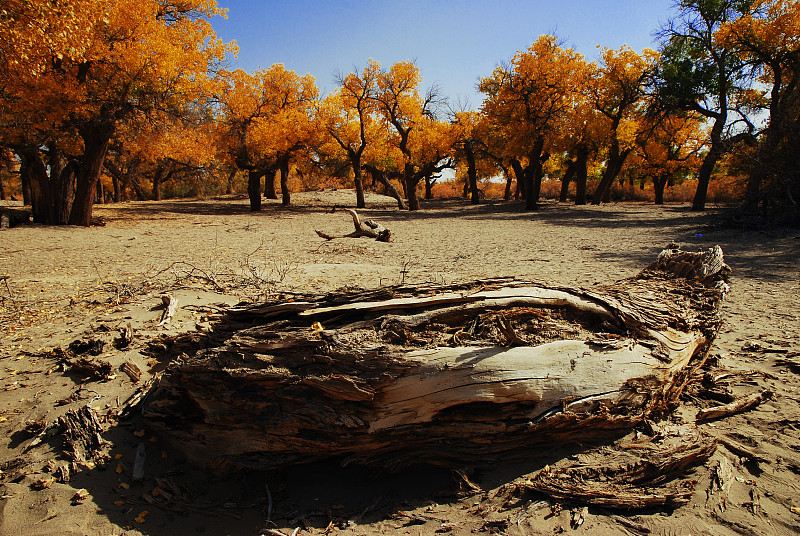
(449, 375)
(81, 431)
(627, 480)
(367, 228)
(737, 406)
(170, 306)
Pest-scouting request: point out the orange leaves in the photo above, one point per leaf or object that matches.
(114, 59)
(532, 95)
(267, 112)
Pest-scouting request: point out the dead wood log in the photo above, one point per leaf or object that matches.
(170, 306)
(368, 228)
(81, 432)
(426, 374)
(628, 482)
(737, 406)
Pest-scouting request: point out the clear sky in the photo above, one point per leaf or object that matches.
(454, 43)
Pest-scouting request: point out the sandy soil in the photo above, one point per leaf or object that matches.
(58, 285)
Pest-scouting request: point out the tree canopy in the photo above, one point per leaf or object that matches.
(135, 94)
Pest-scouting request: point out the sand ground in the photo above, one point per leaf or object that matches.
(62, 284)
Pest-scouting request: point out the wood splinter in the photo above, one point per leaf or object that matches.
(368, 228)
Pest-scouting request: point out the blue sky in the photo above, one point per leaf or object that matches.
(454, 43)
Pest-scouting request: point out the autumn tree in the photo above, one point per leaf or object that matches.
(617, 93)
(164, 148)
(421, 139)
(697, 73)
(267, 116)
(469, 140)
(580, 138)
(670, 149)
(528, 99)
(76, 71)
(348, 115)
(767, 39)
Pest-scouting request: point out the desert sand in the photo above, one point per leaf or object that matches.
(61, 284)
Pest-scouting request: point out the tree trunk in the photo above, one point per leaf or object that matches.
(2, 189)
(534, 174)
(269, 182)
(25, 185)
(254, 189)
(519, 173)
(34, 172)
(450, 375)
(659, 183)
(95, 141)
(472, 175)
(614, 164)
(284, 167)
(429, 182)
(62, 178)
(581, 162)
(410, 186)
(115, 183)
(507, 192)
(101, 194)
(358, 180)
(706, 169)
(569, 174)
(229, 184)
(157, 177)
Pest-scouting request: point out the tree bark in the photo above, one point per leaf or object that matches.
(284, 167)
(534, 174)
(707, 167)
(659, 183)
(34, 173)
(62, 177)
(254, 189)
(614, 164)
(429, 182)
(519, 173)
(96, 139)
(101, 194)
(269, 182)
(115, 183)
(491, 369)
(507, 192)
(158, 175)
(410, 186)
(472, 175)
(582, 159)
(569, 174)
(358, 180)
(229, 184)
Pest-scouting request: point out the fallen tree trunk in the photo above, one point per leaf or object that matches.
(368, 228)
(448, 375)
